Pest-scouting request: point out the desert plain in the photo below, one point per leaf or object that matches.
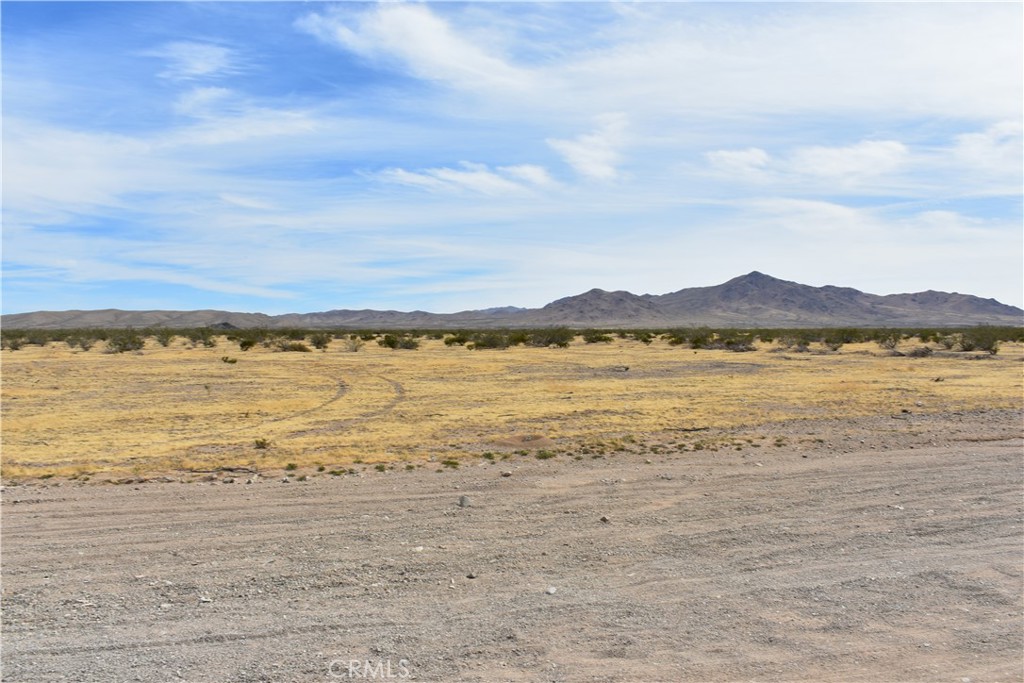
(603, 512)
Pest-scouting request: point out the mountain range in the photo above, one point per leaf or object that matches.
(752, 300)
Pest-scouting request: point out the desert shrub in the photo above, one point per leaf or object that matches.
(246, 344)
(354, 343)
(297, 346)
(229, 360)
(596, 337)
(553, 336)
(410, 343)
(261, 444)
(964, 342)
(163, 336)
(367, 336)
(123, 341)
(459, 339)
(12, 342)
(798, 342)
(644, 337)
(736, 342)
(83, 342)
(948, 341)
(981, 339)
(202, 336)
(320, 340)
(676, 337)
(518, 338)
(392, 341)
(889, 339)
(920, 352)
(489, 340)
(701, 338)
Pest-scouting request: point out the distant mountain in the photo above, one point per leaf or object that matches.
(752, 300)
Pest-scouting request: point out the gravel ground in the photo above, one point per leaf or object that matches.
(861, 550)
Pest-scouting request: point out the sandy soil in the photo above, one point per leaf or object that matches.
(885, 548)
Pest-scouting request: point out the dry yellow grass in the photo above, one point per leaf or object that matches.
(66, 412)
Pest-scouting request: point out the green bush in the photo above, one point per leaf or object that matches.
(296, 346)
(554, 336)
(123, 341)
(202, 336)
(391, 341)
(489, 340)
(320, 340)
(459, 338)
(981, 339)
(595, 337)
(163, 336)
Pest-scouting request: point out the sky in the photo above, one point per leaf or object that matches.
(306, 156)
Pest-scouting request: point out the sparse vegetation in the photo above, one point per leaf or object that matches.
(123, 341)
(320, 340)
(472, 397)
(293, 346)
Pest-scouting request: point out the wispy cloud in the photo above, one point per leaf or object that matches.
(419, 41)
(595, 155)
(187, 60)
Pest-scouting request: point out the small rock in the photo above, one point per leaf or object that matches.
(506, 473)
(463, 501)
(605, 519)
(551, 590)
(286, 480)
(471, 575)
(203, 598)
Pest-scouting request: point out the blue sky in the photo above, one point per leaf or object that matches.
(294, 157)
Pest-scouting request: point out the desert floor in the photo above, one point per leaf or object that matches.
(661, 541)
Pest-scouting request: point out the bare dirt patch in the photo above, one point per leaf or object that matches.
(877, 548)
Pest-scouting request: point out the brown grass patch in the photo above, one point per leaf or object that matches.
(68, 413)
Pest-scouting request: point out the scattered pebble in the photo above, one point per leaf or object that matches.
(551, 590)
(463, 501)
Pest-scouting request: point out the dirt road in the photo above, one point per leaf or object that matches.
(883, 549)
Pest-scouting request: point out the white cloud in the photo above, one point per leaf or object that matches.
(188, 60)
(202, 102)
(595, 155)
(535, 175)
(997, 148)
(419, 40)
(749, 162)
(476, 178)
(247, 202)
(849, 164)
(907, 59)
